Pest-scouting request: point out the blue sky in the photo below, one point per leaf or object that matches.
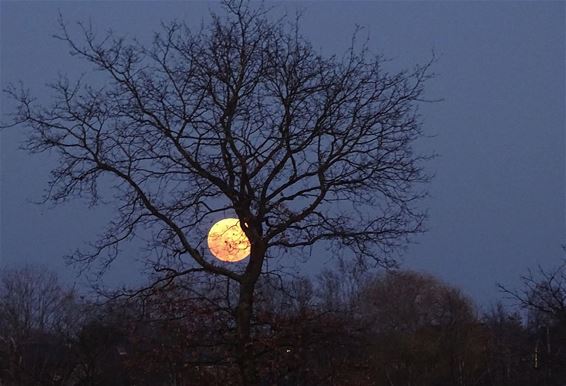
(497, 203)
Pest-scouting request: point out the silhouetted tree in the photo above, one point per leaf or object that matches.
(37, 317)
(509, 350)
(543, 296)
(544, 291)
(242, 117)
(420, 331)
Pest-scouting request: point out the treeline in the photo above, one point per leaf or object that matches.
(342, 328)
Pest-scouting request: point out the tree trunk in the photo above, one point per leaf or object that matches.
(244, 313)
(246, 360)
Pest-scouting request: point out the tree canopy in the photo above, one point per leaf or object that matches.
(242, 117)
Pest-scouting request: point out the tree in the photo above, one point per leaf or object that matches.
(36, 314)
(543, 291)
(508, 352)
(422, 331)
(543, 296)
(242, 117)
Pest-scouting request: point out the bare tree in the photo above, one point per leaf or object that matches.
(242, 117)
(543, 296)
(35, 313)
(543, 292)
(31, 298)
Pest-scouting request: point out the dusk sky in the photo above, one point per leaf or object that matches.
(497, 204)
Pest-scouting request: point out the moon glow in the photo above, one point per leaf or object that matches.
(227, 241)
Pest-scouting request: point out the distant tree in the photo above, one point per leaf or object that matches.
(509, 350)
(244, 117)
(37, 315)
(422, 331)
(402, 328)
(183, 337)
(31, 298)
(543, 291)
(543, 296)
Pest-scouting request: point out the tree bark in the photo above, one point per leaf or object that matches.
(244, 313)
(246, 360)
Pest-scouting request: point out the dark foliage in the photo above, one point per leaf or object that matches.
(399, 328)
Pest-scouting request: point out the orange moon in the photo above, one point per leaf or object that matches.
(227, 241)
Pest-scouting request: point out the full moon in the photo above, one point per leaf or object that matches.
(227, 241)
